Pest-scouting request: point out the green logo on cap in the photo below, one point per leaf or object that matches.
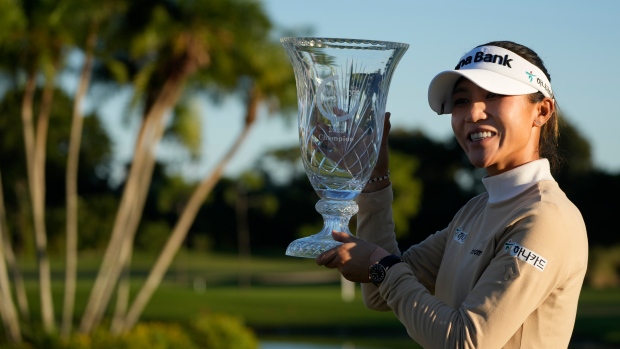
(530, 75)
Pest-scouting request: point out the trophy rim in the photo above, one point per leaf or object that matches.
(344, 43)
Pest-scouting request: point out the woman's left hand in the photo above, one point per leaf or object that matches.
(352, 258)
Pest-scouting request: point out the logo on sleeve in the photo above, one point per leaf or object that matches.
(526, 255)
(510, 270)
(460, 235)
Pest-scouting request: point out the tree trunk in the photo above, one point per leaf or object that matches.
(122, 295)
(35, 161)
(113, 250)
(123, 232)
(20, 288)
(72, 189)
(38, 204)
(140, 175)
(128, 242)
(126, 252)
(18, 279)
(7, 307)
(184, 223)
(27, 120)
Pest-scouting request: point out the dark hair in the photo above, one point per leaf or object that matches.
(550, 131)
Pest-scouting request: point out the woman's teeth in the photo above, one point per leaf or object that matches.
(480, 135)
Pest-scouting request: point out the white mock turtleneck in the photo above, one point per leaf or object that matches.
(511, 183)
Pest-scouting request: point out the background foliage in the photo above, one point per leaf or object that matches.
(170, 54)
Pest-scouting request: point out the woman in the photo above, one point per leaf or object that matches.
(508, 270)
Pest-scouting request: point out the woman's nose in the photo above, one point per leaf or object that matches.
(477, 112)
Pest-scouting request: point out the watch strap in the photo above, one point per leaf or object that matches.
(388, 261)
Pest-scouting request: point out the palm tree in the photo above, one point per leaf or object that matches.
(170, 41)
(41, 48)
(266, 78)
(167, 47)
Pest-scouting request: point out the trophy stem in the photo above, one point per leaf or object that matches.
(336, 215)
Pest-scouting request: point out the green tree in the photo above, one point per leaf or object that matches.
(163, 53)
(166, 51)
(39, 50)
(11, 20)
(11, 147)
(575, 151)
(407, 191)
(177, 46)
(444, 179)
(266, 78)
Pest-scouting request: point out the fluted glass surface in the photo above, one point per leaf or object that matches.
(342, 88)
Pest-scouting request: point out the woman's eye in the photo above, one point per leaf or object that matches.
(459, 101)
(493, 95)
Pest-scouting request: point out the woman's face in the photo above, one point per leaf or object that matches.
(497, 132)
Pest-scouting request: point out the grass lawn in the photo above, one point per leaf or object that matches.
(598, 317)
(279, 307)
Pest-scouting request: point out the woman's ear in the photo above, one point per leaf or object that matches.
(545, 109)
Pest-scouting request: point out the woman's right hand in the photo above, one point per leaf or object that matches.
(382, 166)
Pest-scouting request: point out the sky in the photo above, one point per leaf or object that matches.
(578, 41)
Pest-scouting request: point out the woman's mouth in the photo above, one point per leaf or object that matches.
(478, 136)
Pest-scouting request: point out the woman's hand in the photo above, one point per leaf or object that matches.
(352, 258)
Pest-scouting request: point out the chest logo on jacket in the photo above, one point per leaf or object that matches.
(526, 255)
(460, 235)
(476, 252)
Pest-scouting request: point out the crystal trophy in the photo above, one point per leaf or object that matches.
(342, 88)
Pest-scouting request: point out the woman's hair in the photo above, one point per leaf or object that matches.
(550, 131)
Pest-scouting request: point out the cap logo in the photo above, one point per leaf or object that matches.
(530, 75)
(495, 59)
(482, 57)
(543, 84)
(491, 68)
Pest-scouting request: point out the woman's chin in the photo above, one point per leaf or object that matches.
(479, 162)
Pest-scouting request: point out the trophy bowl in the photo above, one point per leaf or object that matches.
(342, 88)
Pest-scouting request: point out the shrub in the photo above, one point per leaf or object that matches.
(206, 331)
(144, 336)
(604, 268)
(219, 331)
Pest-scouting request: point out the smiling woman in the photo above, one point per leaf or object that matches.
(497, 132)
(508, 270)
(509, 81)
(508, 75)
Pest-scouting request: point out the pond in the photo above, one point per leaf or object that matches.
(284, 345)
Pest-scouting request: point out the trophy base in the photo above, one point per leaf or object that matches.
(336, 215)
(311, 246)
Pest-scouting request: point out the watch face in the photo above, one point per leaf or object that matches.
(377, 273)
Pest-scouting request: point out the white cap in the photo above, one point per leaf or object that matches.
(494, 69)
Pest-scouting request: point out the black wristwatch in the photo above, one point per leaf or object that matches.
(377, 271)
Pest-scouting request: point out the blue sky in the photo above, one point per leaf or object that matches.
(578, 41)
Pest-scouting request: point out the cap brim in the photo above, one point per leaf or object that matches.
(441, 87)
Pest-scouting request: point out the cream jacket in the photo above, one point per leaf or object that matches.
(505, 273)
